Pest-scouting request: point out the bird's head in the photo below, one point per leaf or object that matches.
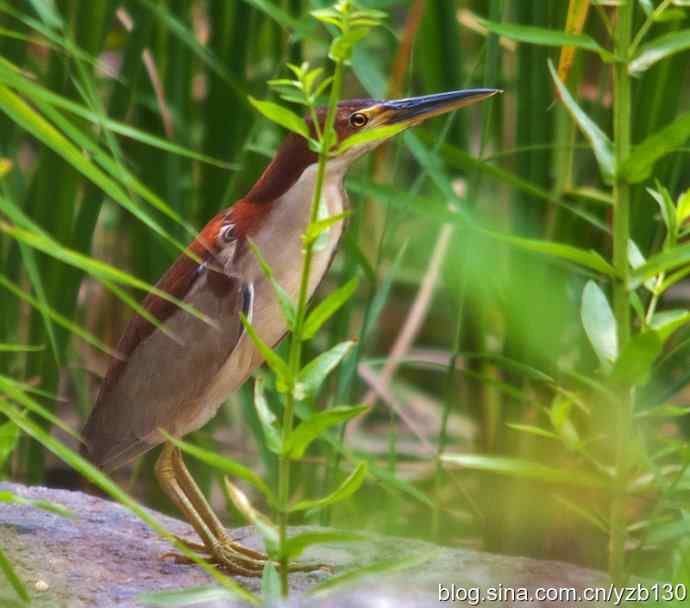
(352, 117)
(390, 117)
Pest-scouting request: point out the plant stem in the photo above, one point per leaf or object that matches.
(621, 235)
(295, 352)
(443, 431)
(646, 25)
(651, 309)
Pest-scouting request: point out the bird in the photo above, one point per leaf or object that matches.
(172, 376)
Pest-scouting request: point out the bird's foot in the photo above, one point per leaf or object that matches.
(234, 558)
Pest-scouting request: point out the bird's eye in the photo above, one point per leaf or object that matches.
(227, 233)
(358, 120)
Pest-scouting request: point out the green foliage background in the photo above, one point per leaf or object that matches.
(125, 127)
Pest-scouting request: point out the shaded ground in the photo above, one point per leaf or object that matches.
(106, 557)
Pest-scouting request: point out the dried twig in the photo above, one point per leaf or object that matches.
(147, 57)
(372, 379)
(417, 314)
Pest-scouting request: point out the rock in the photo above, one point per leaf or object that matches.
(105, 556)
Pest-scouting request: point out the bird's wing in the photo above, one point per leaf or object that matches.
(160, 379)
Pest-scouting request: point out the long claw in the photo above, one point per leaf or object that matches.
(234, 558)
(191, 545)
(217, 547)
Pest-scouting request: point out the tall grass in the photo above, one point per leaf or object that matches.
(541, 409)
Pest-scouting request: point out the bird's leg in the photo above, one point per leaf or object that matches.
(203, 508)
(178, 483)
(228, 558)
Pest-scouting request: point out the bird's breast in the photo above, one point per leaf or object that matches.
(279, 239)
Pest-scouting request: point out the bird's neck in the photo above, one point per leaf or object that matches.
(291, 160)
(279, 235)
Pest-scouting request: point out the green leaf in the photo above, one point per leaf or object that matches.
(344, 491)
(166, 18)
(310, 77)
(274, 361)
(13, 578)
(341, 46)
(9, 437)
(286, 303)
(524, 469)
(190, 596)
(588, 259)
(458, 158)
(431, 164)
(13, 391)
(327, 15)
(658, 49)
(370, 135)
(636, 359)
(59, 41)
(316, 229)
(17, 215)
(581, 511)
(347, 579)
(98, 269)
(639, 164)
(32, 271)
(280, 16)
(370, 13)
(270, 585)
(295, 546)
(56, 317)
(601, 144)
(301, 437)
(327, 308)
(599, 324)
(532, 430)
(546, 37)
(591, 194)
(661, 262)
(665, 530)
(636, 259)
(44, 505)
(48, 13)
(667, 410)
(10, 76)
(267, 530)
(359, 259)
(115, 166)
(99, 479)
(32, 390)
(664, 323)
(34, 123)
(226, 465)
(559, 414)
(267, 418)
(281, 116)
(673, 278)
(668, 211)
(683, 207)
(20, 348)
(314, 373)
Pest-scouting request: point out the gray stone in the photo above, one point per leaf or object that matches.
(105, 556)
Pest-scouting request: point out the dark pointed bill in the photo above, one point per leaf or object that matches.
(417, 109)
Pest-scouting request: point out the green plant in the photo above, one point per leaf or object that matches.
(120, 165)
(296, 381)
(628, 352)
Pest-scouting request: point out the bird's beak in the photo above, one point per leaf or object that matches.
(413, 110)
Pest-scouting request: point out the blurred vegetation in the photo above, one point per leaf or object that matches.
(521, 316)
